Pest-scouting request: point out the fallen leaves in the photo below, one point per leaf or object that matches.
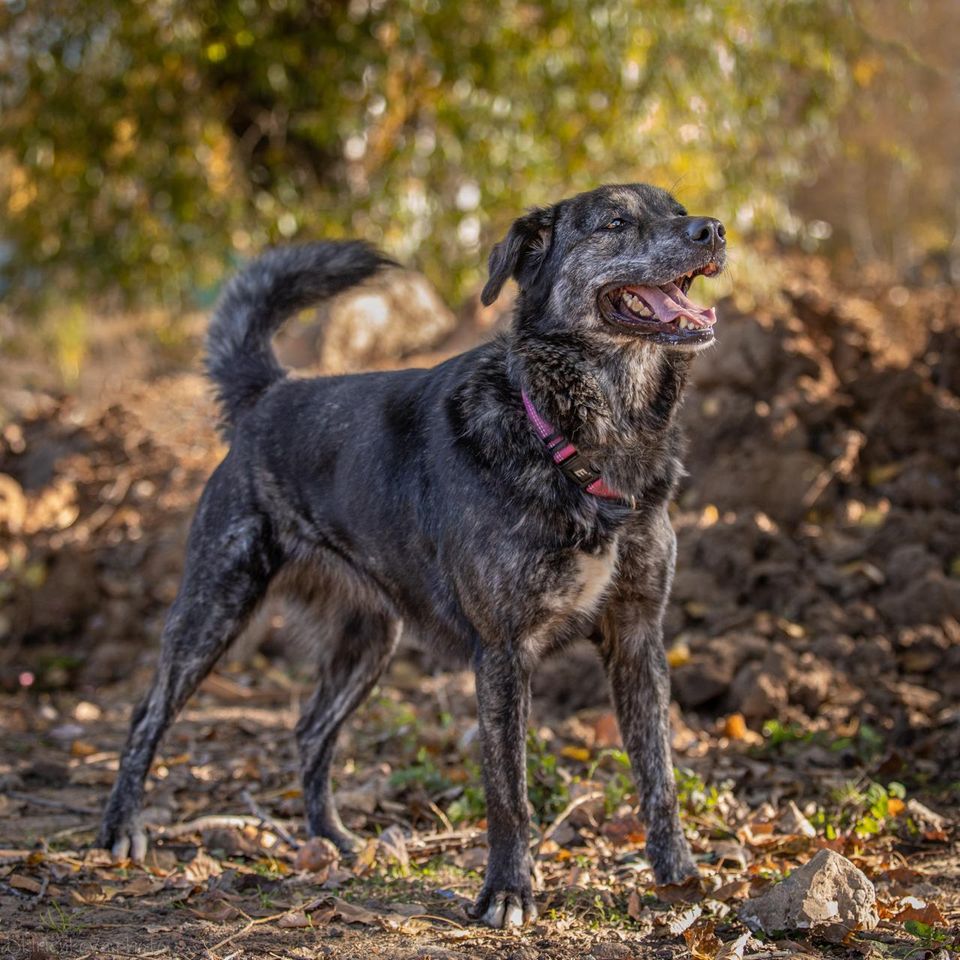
(317, 856)
(202, 867)
(704, 944)
(20, 881)
(921, 912)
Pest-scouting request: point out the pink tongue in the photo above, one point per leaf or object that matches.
(669, 304)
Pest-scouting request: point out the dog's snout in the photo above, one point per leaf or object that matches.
(707, 232)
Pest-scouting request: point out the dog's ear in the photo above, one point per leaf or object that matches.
(520, 253)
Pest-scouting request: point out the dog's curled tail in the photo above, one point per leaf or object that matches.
(239, 358)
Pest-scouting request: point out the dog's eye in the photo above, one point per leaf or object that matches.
(614, 224)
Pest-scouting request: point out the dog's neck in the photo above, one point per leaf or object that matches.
(616, 403)
(600, 395)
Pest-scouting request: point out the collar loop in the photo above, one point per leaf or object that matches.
(569, 460)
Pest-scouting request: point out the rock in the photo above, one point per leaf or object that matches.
(392, 847)
(925, 818)
(811, 683)
(611, 951)
(828, 897)
(700, 681)
(794, 822)
(389, 316)
(756, 694)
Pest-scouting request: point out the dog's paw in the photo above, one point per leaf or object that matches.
(504, 909)
(349, 844)
(125, 841)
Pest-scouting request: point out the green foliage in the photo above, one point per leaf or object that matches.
(146, 146)
(867, 743)
(470, 805)
(619, 787)
(424, 773)
(693, 794)
(864, 808)
(58, 920)
(548, 791)
(931, 937)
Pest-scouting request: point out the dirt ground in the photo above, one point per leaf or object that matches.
(814, 641)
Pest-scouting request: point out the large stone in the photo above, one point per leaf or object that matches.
(385, 319)
(828, 897)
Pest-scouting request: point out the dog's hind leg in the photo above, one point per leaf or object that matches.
(351, 661)
(230, 560)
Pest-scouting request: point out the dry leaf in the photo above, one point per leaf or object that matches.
(141, 886)
(317, 855)
(734, 890)
(678, 654)
(735, 726)
(20, 882)
(635, 908)
(352, 913)
(606, 731)
(621, 830)
(217, 912)
(913, 908)
(296, 919)
(202, 867)
(734, 949)
(686, 919)
(366, 858)
(392, 847)
(702, 942)
(690, 891)
(581, 754)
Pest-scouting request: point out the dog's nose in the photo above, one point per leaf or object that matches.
(707, 231)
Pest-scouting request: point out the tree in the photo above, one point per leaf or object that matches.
(147, 144)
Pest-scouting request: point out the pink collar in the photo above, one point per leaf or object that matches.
(566, 456)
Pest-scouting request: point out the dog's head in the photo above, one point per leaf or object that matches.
(617, 260)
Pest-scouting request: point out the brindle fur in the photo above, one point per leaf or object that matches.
(423, 498)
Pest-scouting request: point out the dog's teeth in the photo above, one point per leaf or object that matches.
(684, 323)
(636, 305)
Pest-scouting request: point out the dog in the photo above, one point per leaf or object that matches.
(500, 504)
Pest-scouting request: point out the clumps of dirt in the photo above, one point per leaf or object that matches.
(93, 517)
(819, 536)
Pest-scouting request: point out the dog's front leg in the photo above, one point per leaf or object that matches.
(503, 701)
(640, 680)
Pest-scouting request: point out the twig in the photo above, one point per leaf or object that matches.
(207, 823)
(259, 921)
(431, 916)
(431, 844)
(52, 804)
(268, 821)
(69, 832)
(564, 813)
(43, 888)
(774, 955)
(441, 816)
(840, 466)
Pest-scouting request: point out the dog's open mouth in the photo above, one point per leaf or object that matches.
(664, 313)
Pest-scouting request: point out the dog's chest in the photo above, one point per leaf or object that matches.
(593, 575)
(574, 595)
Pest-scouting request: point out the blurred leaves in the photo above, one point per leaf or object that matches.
(146, 145)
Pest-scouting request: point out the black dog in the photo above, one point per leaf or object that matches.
(501, 503)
